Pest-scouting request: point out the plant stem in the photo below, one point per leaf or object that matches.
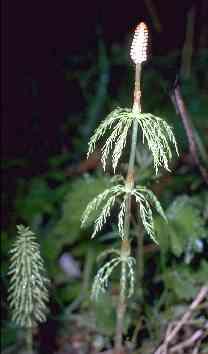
(121, 309)
(181, 109)
(125, 244)
(29, 340)
(188, 45)
(140, 253)
(140, 258)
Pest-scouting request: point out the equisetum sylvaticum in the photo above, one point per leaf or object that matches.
(114, 131)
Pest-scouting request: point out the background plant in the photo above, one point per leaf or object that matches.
(28, 290)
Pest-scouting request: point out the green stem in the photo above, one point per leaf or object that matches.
(121, 309)
(140, 258)
(29, 340)
(125, 244)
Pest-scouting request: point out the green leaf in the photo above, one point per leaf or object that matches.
(67, 230)
(175, 242)
(180, 285)
(38, 200)
(184, 281)
(81, 192)
(105, 315)
(185, 225)
(70, 292)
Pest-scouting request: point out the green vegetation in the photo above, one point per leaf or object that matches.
(168, 273)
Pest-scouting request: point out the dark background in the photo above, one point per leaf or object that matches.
(39, 36)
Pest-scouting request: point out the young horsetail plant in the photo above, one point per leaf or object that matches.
(28, 290)
(159, 137)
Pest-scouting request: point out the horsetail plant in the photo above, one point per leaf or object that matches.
(159, 138)
(28, 290)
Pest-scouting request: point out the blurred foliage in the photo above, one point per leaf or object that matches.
(66, 231)
(184, 282)
(81, 192)
(185, 226)
(105, 315)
